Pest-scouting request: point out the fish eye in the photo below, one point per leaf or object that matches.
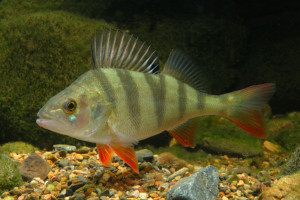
(70, 106)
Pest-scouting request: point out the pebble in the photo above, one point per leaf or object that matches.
(68, 148)
(78, 157)
(178, 173)
(143, 196)
(78, 174)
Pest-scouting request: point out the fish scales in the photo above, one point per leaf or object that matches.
(166, 100)
(121, 100)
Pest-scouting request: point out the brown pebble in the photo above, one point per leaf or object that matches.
(221, 194)
(116, 164)
(89, 191)
(106, 176)
(233, 188)
(153, 195)
(240, 183)
(50, 174)
(78, 157)
(63, 179)
(47, 196)
(64, 186)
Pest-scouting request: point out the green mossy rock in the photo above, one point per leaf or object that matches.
(285, 130)
(289, 139)
(293, 164)
(9, 174)
(17, 147)
(218, 135)
(274, 126)
(219, 128)
(41, 53)
(230, 147)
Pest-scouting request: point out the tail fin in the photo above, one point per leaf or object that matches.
(246, 108)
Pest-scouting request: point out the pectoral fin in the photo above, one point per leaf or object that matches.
(125, 152)
(105, 153)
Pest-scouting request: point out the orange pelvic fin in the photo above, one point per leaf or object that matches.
(127, 154)
(185, 133)
(105, 153)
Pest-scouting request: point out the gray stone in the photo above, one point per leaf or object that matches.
(203, 185)
(293, 164)
(64, 162)
(144, 155)
(82, 179)
(34, 166)
(68, 148)
(62, 194)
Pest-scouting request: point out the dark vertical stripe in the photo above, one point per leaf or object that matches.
(105, 84)
(200, 99)
(181, 99)
(132, 96)
(158, 90)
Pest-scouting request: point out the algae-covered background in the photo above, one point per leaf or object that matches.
(44, 46)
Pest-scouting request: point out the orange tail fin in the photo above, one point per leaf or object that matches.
(246, 108)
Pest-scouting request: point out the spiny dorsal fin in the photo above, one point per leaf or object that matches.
(114, 49)
(183, 68)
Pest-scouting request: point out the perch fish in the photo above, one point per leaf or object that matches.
(125, 98)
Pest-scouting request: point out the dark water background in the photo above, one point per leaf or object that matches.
(44, 46)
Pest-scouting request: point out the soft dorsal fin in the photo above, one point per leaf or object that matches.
(114, 49)
(183, 68)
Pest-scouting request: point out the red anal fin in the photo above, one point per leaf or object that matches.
(127, 154)
(105, 153)
(185, 133)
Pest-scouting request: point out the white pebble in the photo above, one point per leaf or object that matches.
(143, 196)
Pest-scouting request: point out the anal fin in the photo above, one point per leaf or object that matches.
(185, 133)
(105, 153)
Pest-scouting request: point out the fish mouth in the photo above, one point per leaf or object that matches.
(44, 122)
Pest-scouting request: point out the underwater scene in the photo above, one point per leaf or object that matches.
(149, 100)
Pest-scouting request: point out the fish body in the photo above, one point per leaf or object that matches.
(121, 101)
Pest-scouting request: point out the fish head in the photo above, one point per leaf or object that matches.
(74, 111)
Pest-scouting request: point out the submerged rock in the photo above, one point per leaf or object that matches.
(66, 147)
(202, 185)
(287, 187)
(293, 164)
(169, 160)
(9, 174)
(17, 147)
(144, 155)
(34, 166)
(229, 147)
